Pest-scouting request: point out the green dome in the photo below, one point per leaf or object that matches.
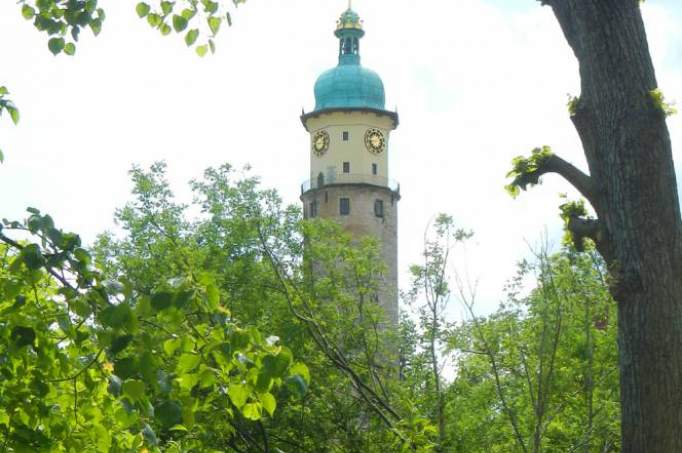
(349, 85)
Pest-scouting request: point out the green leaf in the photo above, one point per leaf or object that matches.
(82, 255)
(154, 20)
(28, 12)
(13, 113)
(240, 340)
(70, 49)
(2, 157)
(264, 382)
(182, 298)
(301, 370)
(170, 346)
(212, 292)
(23, 336)
(191, 36)
(162, 300)
(238, 394)
(166, 7)
(179, 23)
(96, 26)
(133, 389)
(55, 45)
(269, 403)
(32, 257)
(165, 29)
(126, 367)
(188, 362)
(103, 438)
(169, 413)
(120, 343)
(210, 6)
(214, 24)
(142, 9)
(207, 378)
(275, 366)
(3, 91)
(252, 411)
(118, 316)
(90, 6)
(201, 50)
(188, 13)
(188, 381)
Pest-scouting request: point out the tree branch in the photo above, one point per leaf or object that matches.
(585, 228)
(581, 181)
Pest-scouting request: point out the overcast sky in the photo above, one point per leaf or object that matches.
(476, 82)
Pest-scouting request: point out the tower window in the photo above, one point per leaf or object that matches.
(326, 196)
(344, 206)
(345, 136)
(346, 167)
(313, 209)
(379, 208)
(375, 169)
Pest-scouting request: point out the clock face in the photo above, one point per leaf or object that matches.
(375, 141)
(320, 143)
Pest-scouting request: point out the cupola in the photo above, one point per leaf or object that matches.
(349, 84)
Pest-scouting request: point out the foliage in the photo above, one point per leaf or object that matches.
(667, 108)
(541, 373)
(569, 211)
(178, 16)
(97, 364)
(63, 21)
(572, 104)
(429, 295)
(318, 299)
(153, 339)
(527, 170)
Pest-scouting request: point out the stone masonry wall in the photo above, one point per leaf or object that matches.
(362, 221)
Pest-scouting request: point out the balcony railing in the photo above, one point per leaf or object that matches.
(349, 178)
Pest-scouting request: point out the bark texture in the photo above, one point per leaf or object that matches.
(634, 192)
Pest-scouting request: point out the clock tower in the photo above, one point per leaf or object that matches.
(349, 154)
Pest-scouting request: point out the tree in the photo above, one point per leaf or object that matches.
(252, 245)
(620, 117)
(539, 374)
(93, 360)
(430, 282)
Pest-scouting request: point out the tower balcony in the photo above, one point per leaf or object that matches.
(340, 179)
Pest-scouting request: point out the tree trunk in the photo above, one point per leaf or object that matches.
(628, 150)
(440, 402)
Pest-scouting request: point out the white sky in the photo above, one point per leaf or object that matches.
(476, 83)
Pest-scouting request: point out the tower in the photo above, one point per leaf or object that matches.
(349, 154)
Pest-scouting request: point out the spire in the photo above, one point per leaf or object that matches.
(349, 31)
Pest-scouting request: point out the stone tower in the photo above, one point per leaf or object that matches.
(349, 151)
